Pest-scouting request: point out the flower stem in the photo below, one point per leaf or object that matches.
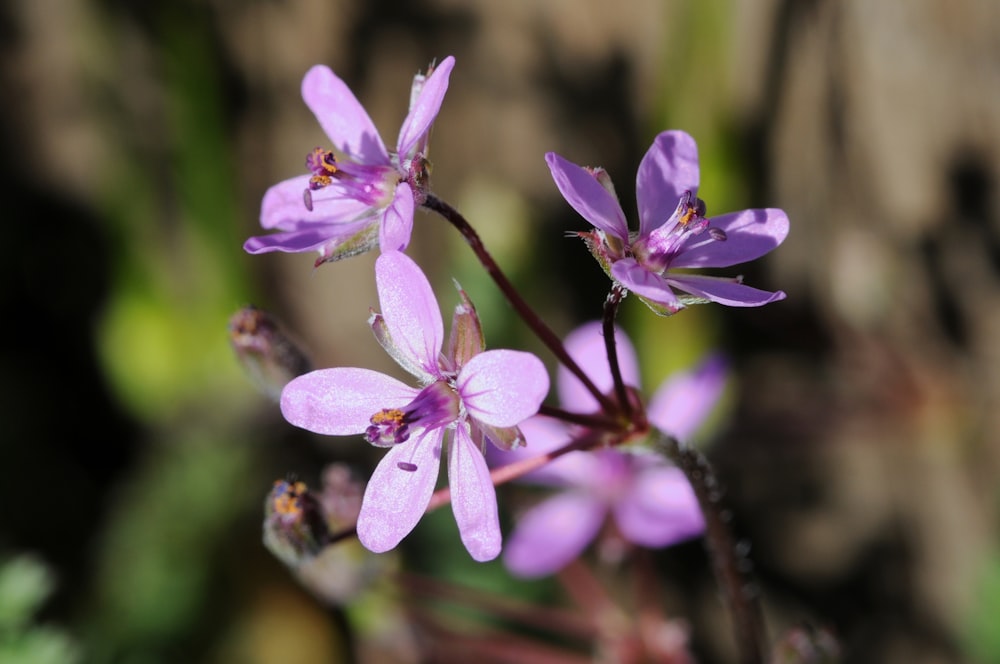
(610, 313)
(537, 325)
(591, 421)
(729, 560)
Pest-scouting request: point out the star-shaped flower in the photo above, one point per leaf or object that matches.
(467, 396)
(651, 501)
(347, 205)
(673, 230)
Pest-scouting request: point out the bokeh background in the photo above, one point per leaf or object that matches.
(858, 442)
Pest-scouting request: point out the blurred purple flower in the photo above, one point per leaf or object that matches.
(673, 230)
(345, 207)
(475, 395)
(652, 503)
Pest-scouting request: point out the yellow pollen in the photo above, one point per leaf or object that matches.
(320, 181)
(688, 215)
(289, 503)
(387, 415)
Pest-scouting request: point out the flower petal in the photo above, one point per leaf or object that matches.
(283, 206)
(503, 387)
(342, 116)
(633, 276)
(553, 533)
(659, 509)
(749, 235)
(397, 221)
(586, 195)
(683, 402)
(724, 290)
(341, 401)
(586, 345)
(669, 168)
(395, 498)
(421, 116)
(473, 498)
(410, 310)
(308, 238)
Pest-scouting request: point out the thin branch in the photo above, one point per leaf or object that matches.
(610, 343)
(537, 325)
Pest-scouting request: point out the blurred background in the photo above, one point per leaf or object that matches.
(858, 443)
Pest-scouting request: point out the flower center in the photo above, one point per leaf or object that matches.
(659, 248)
(373, 185)
(436, 405)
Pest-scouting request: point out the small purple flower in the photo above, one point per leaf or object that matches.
(344, 207)
(673, 230)
(467, 393)
(652, 503)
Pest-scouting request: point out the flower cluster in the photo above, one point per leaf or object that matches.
(469, 403)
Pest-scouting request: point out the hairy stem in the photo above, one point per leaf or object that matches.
(537, 325)
(729, 560)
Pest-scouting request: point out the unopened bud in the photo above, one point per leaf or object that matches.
(466, 340)
(295, 528)
(268, 355)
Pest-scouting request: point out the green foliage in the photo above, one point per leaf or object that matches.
(25, 584)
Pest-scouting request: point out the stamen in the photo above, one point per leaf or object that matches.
(694, 208)
(307, 198)
(323, 165)
(288, 498)
(388, 427)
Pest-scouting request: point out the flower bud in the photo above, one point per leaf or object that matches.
(270, 358)
(295, 528)
(466, 340)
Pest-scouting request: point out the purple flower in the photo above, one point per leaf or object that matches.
(344, 207)
(673, 230)
(652, 503)
(467, 396)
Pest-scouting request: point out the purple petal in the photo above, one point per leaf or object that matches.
(586, 345)
(418, 122)
(283, 206)
(553, 533)
(341, 401)
(669, 168)
(397, 221)
(503, 387)
(749, 235)
(660, 509)
(473, 498)
(724, 290)
(586, 195)
(307, 239)
(633, 276)
(395, 498)
(410, 310)
(342, 116)
(683, 402)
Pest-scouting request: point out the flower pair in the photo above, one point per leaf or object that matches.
(347, 206)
